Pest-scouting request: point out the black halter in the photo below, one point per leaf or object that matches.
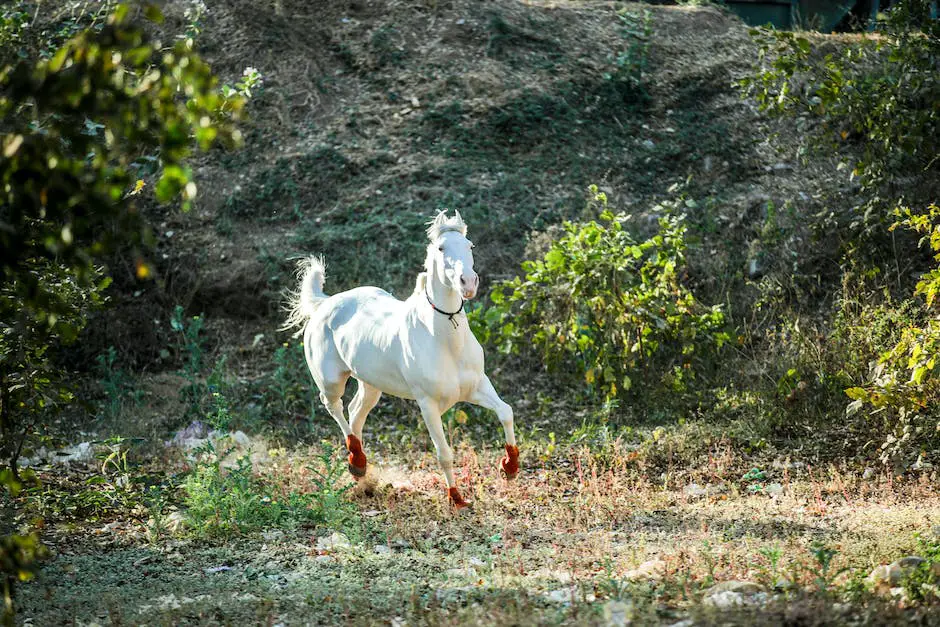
(450, 316)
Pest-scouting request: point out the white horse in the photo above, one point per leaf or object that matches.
(419, 349)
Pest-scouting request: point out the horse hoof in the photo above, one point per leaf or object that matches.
(457, 501)
(510, 463)
(357, 459)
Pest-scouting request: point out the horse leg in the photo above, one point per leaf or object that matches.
(331, 394)
(330, 374)
(485, 396)
(362, 403)
(431, 412)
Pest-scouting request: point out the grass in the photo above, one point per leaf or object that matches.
(556, 546)
(509, 121)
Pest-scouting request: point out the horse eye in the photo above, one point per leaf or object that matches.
(440, 248)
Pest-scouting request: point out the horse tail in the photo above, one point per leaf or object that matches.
(304, 301)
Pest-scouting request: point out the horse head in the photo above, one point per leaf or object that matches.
(450, 255)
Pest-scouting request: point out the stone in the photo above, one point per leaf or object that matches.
(241, 438)
(334, 541)
(652, 569)
(725, 600)
(887, 576)
(460, 572)
(618, 613)
(740, 587)
(382, 549)
(773, 489)
(755, 268)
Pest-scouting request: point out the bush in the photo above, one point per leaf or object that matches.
(607, 306)
(876, 101)
(905, 382)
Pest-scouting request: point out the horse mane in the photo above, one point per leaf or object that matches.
(442, 224)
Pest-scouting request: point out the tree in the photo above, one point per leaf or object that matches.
(81, 131)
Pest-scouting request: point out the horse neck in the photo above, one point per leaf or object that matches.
(442, 295)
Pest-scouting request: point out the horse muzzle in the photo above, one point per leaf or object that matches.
(469, 285)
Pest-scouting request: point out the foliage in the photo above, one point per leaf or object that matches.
(613, 308)
(905, 382)
(289, 391)
(18, 558)
(30, 386)
(878, 96)
(223, 501)
(117, 386)
(631, 63)
(79, 128)
(189, 348)
(19, 554)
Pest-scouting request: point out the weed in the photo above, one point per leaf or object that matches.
(156, 502)
(631, 63)
(224, 501)
(189, 349)
(117, 386)
(289, 391)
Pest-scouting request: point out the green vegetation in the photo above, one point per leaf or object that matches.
(611, 308)
(722, 366)
(220, 503)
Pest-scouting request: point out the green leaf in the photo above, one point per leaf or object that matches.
(153, 13)
(857, 393)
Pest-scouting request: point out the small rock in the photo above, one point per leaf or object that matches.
(773, 489)
(335, 542)
(241, 439)
(273, 535)
(460, 572)
(888, 576)
(688, 622)
(725, 600)
(755, 268)
(217, 569)
(741, 587)
(910, 562)
(382, 549)
(618, 613)
(653, 569)
(694, 489)
(649, 144)
(563, 595)
(868, 474)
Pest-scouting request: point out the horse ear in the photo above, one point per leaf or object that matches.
(434, 226)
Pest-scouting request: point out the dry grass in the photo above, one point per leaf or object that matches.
(557, 545)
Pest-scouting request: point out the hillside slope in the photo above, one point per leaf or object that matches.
(374, 115)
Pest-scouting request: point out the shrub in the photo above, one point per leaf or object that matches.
(607, 306)
(876, 98)
(905, 382)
